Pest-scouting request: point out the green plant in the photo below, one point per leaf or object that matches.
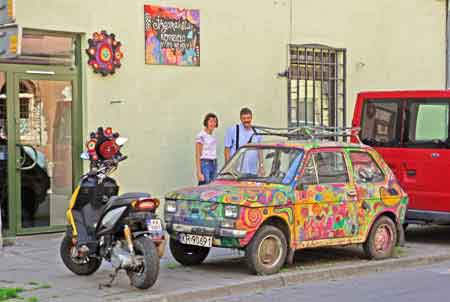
(7, 293)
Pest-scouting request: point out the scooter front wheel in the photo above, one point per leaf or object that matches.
(147, 273)
(82, 266)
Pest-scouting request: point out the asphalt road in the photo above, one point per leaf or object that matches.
(427, 283)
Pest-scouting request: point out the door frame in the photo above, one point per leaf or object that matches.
(14, 73)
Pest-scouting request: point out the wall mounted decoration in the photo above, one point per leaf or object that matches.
(104, 53)
(172, 36)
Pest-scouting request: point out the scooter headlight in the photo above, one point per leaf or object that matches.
(171, 206)
(231, 211)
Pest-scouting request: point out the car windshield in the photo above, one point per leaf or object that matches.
(263, 164)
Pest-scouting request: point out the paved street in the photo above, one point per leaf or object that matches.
(428, 283)
(34, 264)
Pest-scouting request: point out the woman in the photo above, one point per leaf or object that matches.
(206, 150)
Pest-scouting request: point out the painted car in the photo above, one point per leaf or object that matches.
(271, 199)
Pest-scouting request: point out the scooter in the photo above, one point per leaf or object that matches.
(124, 230)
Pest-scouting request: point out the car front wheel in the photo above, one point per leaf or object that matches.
(266, 253)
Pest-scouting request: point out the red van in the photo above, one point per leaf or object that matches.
(410, 129)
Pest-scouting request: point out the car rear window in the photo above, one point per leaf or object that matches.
(364, 161)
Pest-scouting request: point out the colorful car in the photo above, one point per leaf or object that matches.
(272, 199)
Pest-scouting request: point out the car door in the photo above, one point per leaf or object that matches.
(328, 205)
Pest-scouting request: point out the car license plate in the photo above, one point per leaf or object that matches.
(199, 240)
(154, 225)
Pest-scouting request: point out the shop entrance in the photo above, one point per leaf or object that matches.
(40, 127)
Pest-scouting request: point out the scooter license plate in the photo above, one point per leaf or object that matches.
(154, 225)
(198, 240)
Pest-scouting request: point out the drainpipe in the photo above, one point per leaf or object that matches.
(447, 45)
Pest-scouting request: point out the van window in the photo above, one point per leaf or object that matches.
(428, 122)
(379, 125)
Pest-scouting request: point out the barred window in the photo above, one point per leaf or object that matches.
(316, 85)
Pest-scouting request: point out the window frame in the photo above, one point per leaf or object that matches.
(312, 155)
(425, 144)
(373, 159)
(398, 141)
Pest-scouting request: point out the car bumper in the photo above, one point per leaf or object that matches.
(202, 230)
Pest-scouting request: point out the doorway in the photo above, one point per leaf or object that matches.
(40, 132)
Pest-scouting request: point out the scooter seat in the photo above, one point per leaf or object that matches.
(134, 195)
(127, 198)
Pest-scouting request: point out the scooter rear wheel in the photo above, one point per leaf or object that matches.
(81, 266)
(147, 275)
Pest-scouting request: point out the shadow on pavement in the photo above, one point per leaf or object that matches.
(428, 234)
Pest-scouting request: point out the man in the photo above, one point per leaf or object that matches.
(240, 135)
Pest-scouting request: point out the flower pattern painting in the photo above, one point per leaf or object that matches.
(172, 36)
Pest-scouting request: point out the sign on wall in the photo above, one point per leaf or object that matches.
(7, 11)
(10, 41)
(172, 36)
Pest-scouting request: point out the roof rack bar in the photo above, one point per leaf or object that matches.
(309, 132)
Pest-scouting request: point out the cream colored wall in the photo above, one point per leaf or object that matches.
(243, 47)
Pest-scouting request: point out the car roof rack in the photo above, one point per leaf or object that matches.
(309, 132)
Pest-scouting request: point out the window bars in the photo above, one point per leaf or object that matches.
(316, 85)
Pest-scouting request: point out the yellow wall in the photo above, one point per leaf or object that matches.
(391, 45)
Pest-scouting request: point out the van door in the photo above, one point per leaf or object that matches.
(427, 160)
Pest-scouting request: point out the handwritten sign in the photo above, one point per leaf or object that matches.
(172, 36)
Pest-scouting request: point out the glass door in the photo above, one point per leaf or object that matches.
(44, 150)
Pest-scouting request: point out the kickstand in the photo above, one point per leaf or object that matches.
(113, 277)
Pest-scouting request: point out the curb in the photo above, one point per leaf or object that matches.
(289, 278)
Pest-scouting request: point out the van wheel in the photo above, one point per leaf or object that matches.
(266, 253)
(188, 255)
(381, 240)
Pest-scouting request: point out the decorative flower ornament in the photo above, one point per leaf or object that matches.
(104, 53)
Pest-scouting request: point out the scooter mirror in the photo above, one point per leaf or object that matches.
(121, 141)
(84, 156)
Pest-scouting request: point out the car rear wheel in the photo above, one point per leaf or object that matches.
(382, 239)
(188, 255)
(266, 253)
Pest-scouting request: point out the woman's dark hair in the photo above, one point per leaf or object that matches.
(208, 117)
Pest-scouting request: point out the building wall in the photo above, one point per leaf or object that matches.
(391, 45)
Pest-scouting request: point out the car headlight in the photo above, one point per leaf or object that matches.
(231, 211)
(171, 206)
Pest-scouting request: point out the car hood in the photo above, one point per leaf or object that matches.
(249, 194)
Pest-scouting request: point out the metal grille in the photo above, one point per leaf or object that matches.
(316, 86)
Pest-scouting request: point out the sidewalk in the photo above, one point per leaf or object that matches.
(33, 263)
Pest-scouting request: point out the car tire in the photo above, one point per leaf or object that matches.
(266, 253)
(188, 255)
(382, 239)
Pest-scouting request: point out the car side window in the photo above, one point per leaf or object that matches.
(309, 176)
(331, 167)
(365, 168)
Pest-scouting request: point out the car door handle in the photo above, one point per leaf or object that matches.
(435, 155)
